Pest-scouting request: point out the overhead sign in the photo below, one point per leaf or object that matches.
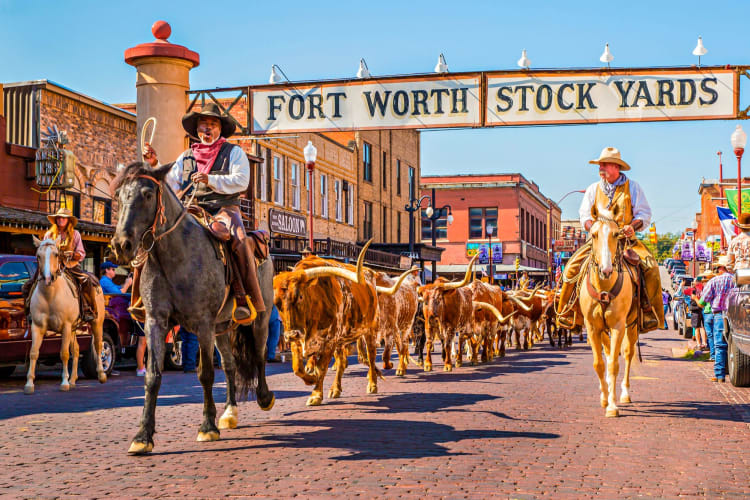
(280, 221)
(565, 245)
(567, 97)
(421, 102)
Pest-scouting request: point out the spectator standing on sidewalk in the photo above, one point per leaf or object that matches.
(715, 294)
(189, 351)
(697, 318)
(274, 332)
(665, 300)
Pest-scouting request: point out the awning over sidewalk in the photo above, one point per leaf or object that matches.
(499, 268)
(16, 220)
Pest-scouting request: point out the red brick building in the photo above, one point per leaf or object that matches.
(525, 220)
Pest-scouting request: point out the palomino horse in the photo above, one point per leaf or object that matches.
(54, 306)
(183, 282)
(607, 304)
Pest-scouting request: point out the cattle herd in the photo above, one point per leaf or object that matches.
(328, 308)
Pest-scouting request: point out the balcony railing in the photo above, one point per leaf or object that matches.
(330, 248)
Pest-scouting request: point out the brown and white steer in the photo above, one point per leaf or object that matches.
(396, 315)
(324, 306)
(487, 322)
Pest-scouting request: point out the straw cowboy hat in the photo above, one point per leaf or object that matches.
(743, 222)
(707, 274)
(190, 120)
(723, 262)
(611, 155)
(63, 212)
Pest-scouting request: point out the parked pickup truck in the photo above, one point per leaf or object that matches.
(737, 330)
(120, 331)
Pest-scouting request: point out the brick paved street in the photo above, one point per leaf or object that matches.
(527, 426)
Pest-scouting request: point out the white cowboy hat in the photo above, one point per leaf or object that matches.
(611, 155)
(723, 262)
(64, 213)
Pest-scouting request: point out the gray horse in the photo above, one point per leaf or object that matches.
(183, 283)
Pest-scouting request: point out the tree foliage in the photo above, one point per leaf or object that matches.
(664, 244)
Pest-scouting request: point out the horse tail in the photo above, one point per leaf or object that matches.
(248, 358)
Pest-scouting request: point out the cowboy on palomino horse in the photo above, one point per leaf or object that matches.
(69, 241)
(625, 200)
(218, 172)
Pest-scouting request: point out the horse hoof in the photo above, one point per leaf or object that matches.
(372, 389)
(334, 393)
(613, 412)
(65, 387)
(474, 363)
(28, 389)
(314, 401)
(227, 422)
(207, 436)
(449, 368)
(400, 372)
(102, 378)
(137, 448)
(428, 368)
(270, 405)
(625, 399)
(603, 402)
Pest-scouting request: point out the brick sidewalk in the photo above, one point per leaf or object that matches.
(527, 426)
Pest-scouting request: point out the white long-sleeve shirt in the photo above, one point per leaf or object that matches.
(235, 181)
(641, 208)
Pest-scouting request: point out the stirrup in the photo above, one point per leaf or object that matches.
(253, 312)
(138, 311)
(565, 322)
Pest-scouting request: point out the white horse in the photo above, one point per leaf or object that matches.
(54, 306)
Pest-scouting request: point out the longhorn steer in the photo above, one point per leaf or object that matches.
(487, 322)
(396, 314)
(447, 309)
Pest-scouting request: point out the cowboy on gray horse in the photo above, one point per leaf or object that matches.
(218, 172)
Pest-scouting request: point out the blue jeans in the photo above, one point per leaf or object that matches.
(274, 332)
(715, 333)
(189, 350)
(666, 308)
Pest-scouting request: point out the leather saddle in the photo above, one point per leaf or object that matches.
(259, 239)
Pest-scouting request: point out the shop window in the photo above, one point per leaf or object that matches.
(479, 219)
(441, 226)
(339, 200)
(384, 223)
(295, 184)
(278, 180)
(71, 201)
(385, 170)
(102, 211)
(398, 177)
(367, 223)
(367, 161)
(324, 196)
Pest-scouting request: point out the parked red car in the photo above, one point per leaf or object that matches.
(120, 331)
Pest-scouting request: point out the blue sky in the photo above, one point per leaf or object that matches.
(80, 44)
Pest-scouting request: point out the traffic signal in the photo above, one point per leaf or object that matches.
(652, 234)
(518, 263)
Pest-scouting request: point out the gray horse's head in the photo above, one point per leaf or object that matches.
(138, 199)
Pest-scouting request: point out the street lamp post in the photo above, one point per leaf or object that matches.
(739, 138)
(721, 194)
(434, 214)
(412, 207)
(311, 154)
(491, 264)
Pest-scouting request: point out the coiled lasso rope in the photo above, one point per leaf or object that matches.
(143, 132)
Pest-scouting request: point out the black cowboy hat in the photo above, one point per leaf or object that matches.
(190, 120)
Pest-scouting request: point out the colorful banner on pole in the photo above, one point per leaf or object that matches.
(727, 218)
(731, 195)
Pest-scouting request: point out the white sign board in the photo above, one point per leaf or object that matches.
(539, 98)
(411, 102)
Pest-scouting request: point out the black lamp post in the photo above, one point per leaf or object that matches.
(412, 207)
(434, 214)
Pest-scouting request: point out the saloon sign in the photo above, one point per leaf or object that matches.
(491, 99)
(283, 222)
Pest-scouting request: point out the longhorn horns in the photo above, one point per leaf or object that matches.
(392, 290)
(358, 277)
(489, 307)
(519, 303)
(465, 281)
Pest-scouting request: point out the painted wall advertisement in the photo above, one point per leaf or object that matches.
(490, 99)
(483, 250)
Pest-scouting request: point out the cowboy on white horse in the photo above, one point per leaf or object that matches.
(625, 199)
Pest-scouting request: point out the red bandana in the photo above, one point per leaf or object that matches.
(206, 155)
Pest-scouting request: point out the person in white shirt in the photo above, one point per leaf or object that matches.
(219, 172)
(625, 199)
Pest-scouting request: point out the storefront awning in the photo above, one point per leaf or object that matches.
(16, 220)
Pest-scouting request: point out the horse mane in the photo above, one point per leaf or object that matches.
(134, 170)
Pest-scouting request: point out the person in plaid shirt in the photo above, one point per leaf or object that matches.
(715, 293)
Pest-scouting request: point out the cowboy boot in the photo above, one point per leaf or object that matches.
(649, 319)
(136, 309)
(566, 320)
(247, 273)
(87, 300)
(27, 290)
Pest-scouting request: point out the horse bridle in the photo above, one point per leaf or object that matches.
(60, 267)
(159, 219)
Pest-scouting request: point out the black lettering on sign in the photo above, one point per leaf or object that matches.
(623, 91)
(560, 102)
(523, 89)
(714, 96)
(420, 99)
(544, 97)
(336, 102)
(273, 107)
(378, 101)
(315, 102)
(687, 92)
(643, 93)
(583, 95)
(462, 99)
(400, 103)
(296, 98)
(504, 95)
(438, 94)
(666, 88)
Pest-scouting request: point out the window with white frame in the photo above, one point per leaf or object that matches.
(324, 196)
(295, 184)
(264, 175)
(349, 197)
(339, 204)
(278, 180)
